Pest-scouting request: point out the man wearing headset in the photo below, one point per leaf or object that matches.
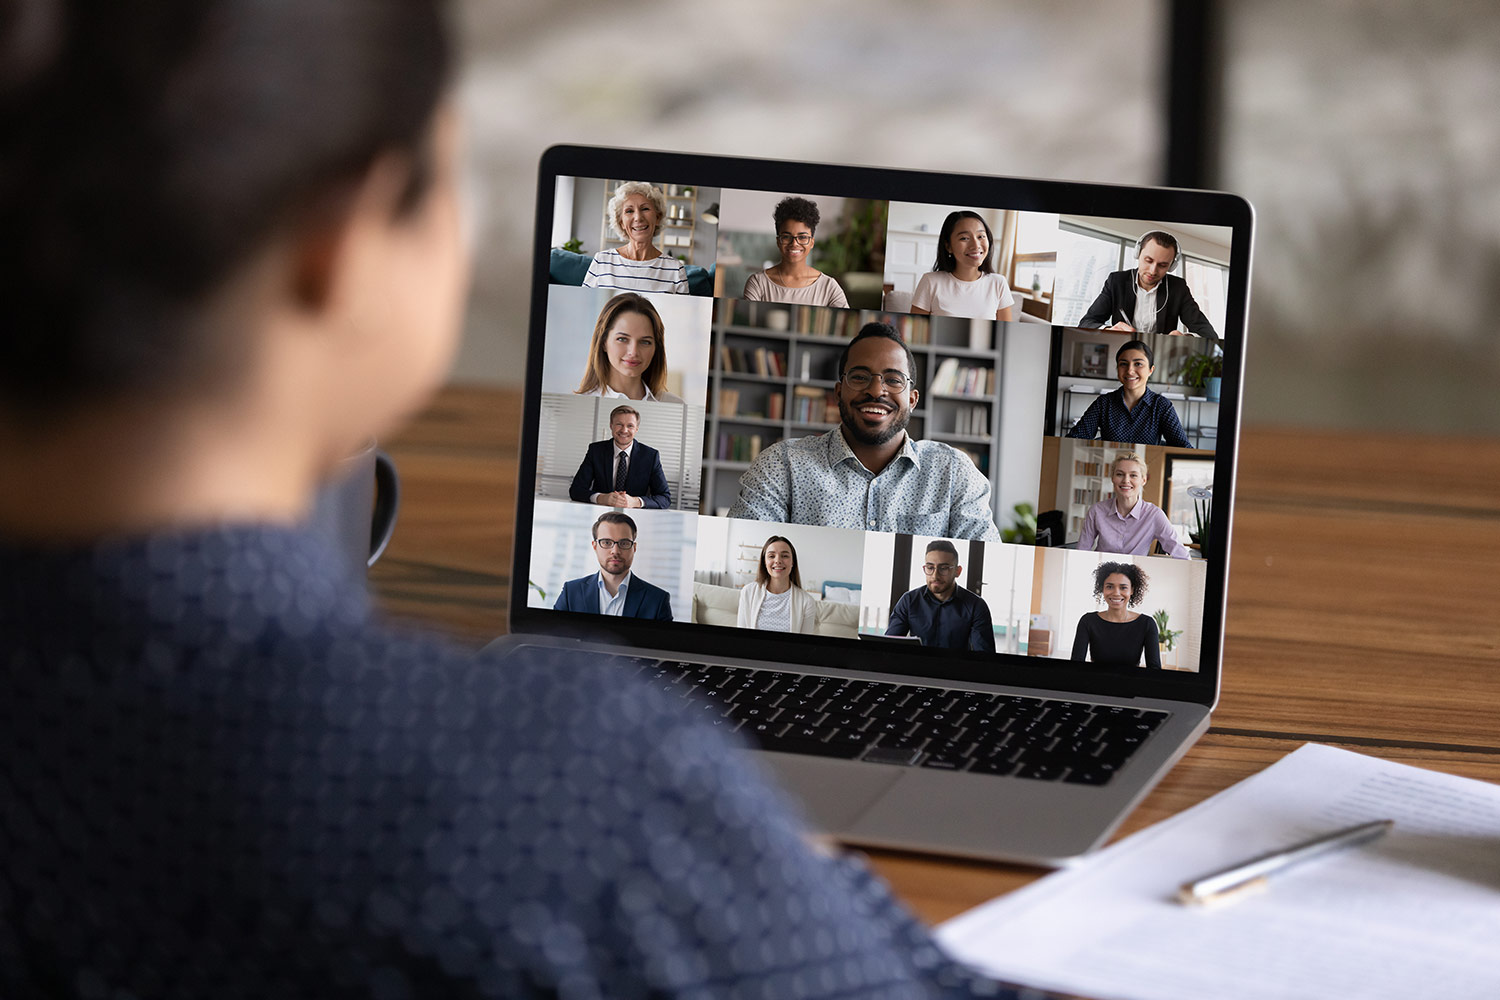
(1147, 299)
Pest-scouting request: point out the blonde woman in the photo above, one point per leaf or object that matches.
(628, 353)
(636, 213)
(776, 601)
(1125, 523)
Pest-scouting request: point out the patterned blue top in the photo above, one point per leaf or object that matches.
(930, 488)
(1153, 421)
(220, 776)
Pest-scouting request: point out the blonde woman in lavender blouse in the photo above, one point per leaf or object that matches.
(1125, 523)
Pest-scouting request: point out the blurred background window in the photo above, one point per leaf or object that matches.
(1364, 135)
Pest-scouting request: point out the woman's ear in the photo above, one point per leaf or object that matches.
(321, 242)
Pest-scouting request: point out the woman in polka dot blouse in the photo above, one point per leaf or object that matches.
(232, 253)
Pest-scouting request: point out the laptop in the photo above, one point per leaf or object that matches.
(776, 408)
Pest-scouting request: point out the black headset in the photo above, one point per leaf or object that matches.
(1140, 245)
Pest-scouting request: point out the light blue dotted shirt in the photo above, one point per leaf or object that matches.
(930, 488)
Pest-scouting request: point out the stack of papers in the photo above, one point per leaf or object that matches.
(1413, 914)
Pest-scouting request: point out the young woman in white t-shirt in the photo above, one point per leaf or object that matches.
(963, 281)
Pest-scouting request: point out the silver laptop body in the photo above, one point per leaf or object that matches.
(729, 359)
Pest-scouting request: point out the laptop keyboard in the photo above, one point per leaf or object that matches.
(909, 725)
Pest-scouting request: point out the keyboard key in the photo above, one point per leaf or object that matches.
(905, 756)
(946, 761)
(810, 747)
(996, 766)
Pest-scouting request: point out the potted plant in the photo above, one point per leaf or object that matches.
(854, 254)
(1023, 531)
(1167, 636)
(1203, 512)
(1203, 372)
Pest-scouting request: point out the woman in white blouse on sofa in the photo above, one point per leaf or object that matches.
(776, 601)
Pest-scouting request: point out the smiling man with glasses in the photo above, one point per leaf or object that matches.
(941, 613)
(614, 590)
(867, 473)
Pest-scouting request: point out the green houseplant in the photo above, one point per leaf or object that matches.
(1023, 530)
(854, 252)
(1168, 636)
(1202, 372)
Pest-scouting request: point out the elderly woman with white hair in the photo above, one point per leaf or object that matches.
(636, 212)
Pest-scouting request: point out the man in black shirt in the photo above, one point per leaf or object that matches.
(942, 613)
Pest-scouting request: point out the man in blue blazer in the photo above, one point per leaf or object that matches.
(622, 472)
(1146, 299)
(614, 590)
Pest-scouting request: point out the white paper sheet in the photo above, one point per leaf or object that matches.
(1413, 914)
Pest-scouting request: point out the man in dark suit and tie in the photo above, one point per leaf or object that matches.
(622, 472)
(614, 590)
(1146, 299)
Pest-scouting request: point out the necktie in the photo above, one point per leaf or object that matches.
(620, 473)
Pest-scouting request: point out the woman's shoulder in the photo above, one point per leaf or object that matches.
(670, 397)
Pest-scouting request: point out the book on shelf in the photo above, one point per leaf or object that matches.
(972, 420)
(957, 379)
(776, 405)
(1082, 468)
(811, 405)
(729, 401)
(752, 361)
(738, 447)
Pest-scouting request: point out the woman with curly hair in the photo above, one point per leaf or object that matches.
(794, 279)
(1117, 636)
(636, 213)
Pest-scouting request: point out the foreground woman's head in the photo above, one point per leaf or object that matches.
(221, 202)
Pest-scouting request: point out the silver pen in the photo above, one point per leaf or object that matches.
(1247, 875)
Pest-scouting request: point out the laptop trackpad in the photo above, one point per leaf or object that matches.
(833, 793)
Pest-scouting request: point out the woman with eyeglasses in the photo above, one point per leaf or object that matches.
(963, 281)
(776, 601)
(794, 280)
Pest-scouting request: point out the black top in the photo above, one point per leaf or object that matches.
(961, 622)
(221, 776)
(1174, 302)
(1117, 644)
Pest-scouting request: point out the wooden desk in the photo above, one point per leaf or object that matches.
(1362, 602)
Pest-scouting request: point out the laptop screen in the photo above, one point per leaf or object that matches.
(776, 408)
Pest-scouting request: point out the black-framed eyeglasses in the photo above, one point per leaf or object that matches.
(861, 378)
(934, 568)
(624, 544)
(802, 239)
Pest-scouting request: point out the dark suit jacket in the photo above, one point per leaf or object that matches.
(644, 477)
(1117, 302)
(642, 600)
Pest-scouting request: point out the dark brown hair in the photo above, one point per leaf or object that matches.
(148, 150)
(763, 576)
(596, 375)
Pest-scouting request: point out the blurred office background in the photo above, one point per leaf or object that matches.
(1364, 133)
